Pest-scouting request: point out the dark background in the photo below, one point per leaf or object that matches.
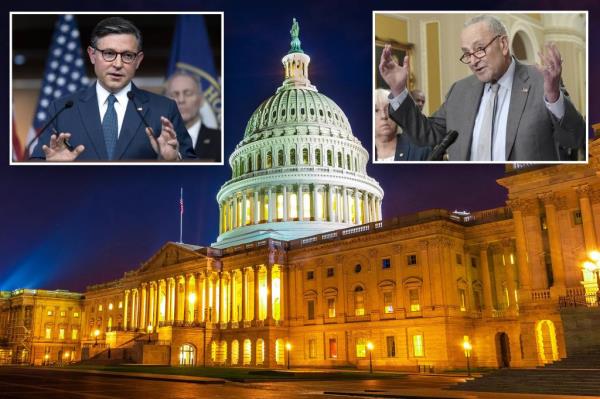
(70, 226)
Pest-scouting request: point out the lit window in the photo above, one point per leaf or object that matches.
(311, 309)
(74, 334)
(318, 156)
(418, 346)
(293, 156)
(279, 200)
(361, 347)
(50, 313)
(61, 333)
(305, 155)
(415, 304)
(359, 301)
(293, 206)
(110, 306)
(120, 304)
(48, 333)
(320, 204)
(100, 308)
(306, 205)
(331, 307)
(387, 302)
(463, 299)
(312, 348)
(386, 263)
(333, 348)
(269, 160)
(411, 260)
(63, 313)
(391, 346)
(76, 315)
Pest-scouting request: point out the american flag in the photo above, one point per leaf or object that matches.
(64, 72)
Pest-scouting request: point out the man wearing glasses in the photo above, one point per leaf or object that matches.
(505, 111)
(113, 120)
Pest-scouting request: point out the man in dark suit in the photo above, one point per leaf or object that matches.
(505, 111)
(107, 121)
(186, 90)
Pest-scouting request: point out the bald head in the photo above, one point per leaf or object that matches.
(185, 90)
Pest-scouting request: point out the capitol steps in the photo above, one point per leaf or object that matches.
(579, 374)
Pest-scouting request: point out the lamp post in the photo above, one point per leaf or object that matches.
(96, 333)
(288, 348)
(149, 332)
(370, 348)
(467, 347)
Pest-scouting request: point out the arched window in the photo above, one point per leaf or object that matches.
(269, 160)
(187, 355)
(249, 162)
(318, 156)
(339, 160)
(305, 156)
(329, 158)
(293, 156)
(260, 351)
(235, 352)
(280, 158)
(247, 352)
(348, 163)
(356, 164)
(259, 161)
(359, 301)
(279, 352)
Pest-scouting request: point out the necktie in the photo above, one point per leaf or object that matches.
(110, 127)
(485, 144)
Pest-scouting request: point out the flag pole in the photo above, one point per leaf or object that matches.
(181, 216)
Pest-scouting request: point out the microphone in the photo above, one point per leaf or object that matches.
(131, 96)
(67, 105)
(440, 149)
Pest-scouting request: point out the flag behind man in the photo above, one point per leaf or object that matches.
(191, 52)
(64, 72)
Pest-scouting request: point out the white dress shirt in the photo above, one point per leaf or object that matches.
(194, 131)
(120, 105)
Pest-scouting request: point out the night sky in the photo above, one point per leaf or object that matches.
(67, 227)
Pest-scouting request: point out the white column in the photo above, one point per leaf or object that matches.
(256, 207)
(300, 203)
(330, 215)
(313, 212)
(220, 218)
(244, 221)
(234, 219)
(285, 203)
(270, 208)
(346, 210)
(356, 207)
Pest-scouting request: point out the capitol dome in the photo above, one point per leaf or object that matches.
(299, 170)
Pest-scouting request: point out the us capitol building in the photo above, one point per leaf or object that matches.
(305, 271)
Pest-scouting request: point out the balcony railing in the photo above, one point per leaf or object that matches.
(573, 301)
(540, 295)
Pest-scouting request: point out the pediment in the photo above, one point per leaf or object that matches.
(171, 254)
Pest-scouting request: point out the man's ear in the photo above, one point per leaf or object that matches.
(138, 59)
(90, 52)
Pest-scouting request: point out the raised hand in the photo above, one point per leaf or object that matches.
(393, 74)
(166, 145)
(58, 151)
(551, 68)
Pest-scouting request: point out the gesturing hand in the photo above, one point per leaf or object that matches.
(166, 145)
(58, 151)
(392, 73)
(551, 68)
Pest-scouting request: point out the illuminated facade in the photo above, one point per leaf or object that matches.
(414, 288)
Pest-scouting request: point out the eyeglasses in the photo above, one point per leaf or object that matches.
(110, 55)
(479, 53)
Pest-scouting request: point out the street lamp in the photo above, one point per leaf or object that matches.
(288, 348)
(467, 347)
(96, 333)
(370, 348)
(149, 331)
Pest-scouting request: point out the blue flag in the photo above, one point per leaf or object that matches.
(191, 52)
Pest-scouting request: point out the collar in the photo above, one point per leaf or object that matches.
(505, 80)
(121, 95)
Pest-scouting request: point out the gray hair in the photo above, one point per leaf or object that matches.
(182, 72)
(494, 24)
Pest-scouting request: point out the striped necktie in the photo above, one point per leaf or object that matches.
(110, 127)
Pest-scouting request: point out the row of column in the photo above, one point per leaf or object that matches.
(212, 299)
(511, 286)
(551, 204)
(326, 203)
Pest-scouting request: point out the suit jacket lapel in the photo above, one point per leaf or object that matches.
(518, 98)
(472, 98)
(90, 116)
(132, 121)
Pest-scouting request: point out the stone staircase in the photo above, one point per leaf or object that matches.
(128, 352)
(579, 374)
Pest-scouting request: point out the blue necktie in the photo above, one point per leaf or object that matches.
(110, 127)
